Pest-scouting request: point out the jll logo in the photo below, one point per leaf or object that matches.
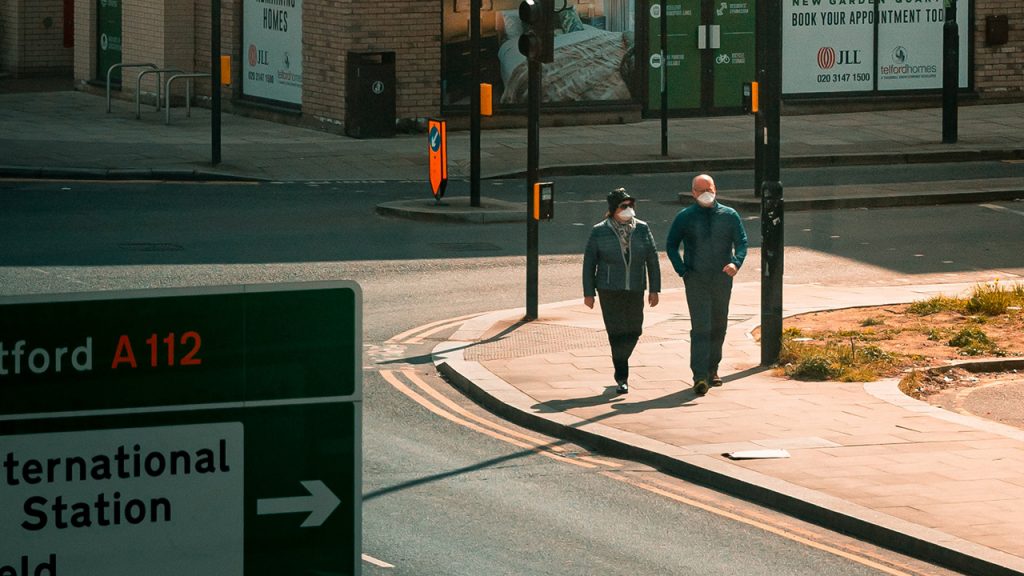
(826, 57)
(829, 58)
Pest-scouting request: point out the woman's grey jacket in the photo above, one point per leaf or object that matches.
(605, 266)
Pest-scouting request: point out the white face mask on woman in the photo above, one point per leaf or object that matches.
(625, 215)
(707, 199)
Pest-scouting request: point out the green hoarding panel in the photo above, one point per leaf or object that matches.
(735, 59)
(108, 38)
(684, 74)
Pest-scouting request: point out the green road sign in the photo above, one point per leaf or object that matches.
(160, 470)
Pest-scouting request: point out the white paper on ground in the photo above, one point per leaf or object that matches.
(755, 454)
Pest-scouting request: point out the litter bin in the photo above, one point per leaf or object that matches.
(370, 94)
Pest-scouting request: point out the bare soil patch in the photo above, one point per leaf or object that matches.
(924, 338)
(919, 342)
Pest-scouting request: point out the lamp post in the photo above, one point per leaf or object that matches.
(950, 74)
(772, 224)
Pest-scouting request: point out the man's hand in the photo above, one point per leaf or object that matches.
(730, 269)
(588, 301)
(652, 299)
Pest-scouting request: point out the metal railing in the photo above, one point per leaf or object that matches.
(159, 85)
(110, 71)
(188, 94)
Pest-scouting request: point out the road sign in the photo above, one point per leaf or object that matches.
(437, 143)
(115, 469)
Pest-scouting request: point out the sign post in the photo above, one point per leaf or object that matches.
(211, 431)
(437, 143)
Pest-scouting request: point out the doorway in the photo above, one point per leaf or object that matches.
(711, 47)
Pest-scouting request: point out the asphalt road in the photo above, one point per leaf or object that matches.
(441, 497)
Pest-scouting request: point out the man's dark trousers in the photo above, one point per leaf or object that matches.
(707, 295)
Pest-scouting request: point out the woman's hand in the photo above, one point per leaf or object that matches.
(652, 299)
(588, 301)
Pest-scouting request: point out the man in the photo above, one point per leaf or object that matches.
(714, 247)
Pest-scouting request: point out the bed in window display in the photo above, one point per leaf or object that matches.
(589, 63)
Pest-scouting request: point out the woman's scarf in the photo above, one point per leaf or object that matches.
(623, 231)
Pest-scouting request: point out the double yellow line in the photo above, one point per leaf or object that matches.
(426, 396)
(409, 383)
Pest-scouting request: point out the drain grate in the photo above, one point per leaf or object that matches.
(467, 246)
(150, 247)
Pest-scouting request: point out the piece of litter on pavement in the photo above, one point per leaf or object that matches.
(756, 454)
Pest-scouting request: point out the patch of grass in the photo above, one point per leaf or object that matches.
(937, 304)
(845, 360)
(974, 342)
(912, 384)
(816, 367)
(792, 332)
(872, 321)
(994, 299)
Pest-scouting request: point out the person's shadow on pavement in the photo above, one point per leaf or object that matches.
(620, 403)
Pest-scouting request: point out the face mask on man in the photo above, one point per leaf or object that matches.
(707, 199)
(625, 215)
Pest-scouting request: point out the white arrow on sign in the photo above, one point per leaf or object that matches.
(320, 503)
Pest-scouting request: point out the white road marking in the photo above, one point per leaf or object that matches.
(370, 559)
(1001, 209)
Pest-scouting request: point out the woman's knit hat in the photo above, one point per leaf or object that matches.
(618, 196)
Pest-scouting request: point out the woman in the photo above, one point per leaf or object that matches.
(619, 259)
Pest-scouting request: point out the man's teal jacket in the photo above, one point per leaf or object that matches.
(711, 238)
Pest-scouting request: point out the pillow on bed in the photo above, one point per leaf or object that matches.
(513, 25)
(570, 20)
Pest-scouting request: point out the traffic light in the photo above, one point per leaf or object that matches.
(538, 42)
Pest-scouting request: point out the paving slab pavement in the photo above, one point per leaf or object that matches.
(864, 458)
(53, 133)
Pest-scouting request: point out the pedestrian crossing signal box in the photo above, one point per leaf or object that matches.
(750, 103)
(543, 200)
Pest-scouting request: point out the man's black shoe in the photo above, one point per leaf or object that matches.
(623, 387)
(715, 379)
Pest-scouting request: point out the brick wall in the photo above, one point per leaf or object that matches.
(32, 38)
(230, 42)
(999, 69)
(85, 41)
(42, 38)
(9, 28)
(332, 28)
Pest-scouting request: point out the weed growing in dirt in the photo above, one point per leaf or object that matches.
(912, 384)
(993, 299)
(974, 342)
(937, 304)
(846, 359)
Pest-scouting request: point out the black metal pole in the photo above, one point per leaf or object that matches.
(760, 57)
(664, 78)
(771, 192)
(215, 80)
(474, 106)
(532, 177)
(950, 74)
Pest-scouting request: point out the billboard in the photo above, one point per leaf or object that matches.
(867, 45)
(272, 50)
